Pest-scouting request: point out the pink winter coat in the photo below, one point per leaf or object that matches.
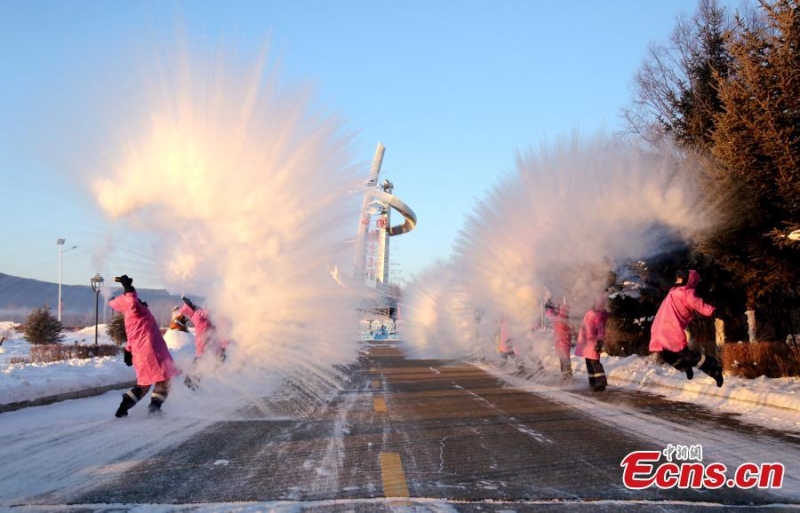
(675, 313)
(592, 330)
(151, 357)
(204, 330)
(561, 332)
(503, 339)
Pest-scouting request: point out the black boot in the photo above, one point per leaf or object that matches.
(716, 373)
(689, 373)
(713, 368)
(154, 406)
(126, 404)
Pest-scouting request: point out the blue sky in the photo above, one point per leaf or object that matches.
(451, 88)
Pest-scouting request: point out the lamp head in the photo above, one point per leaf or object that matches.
(97, 282)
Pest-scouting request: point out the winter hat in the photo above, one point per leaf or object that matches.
(680, 277)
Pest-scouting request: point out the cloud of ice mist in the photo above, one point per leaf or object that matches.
(570, 214)
(248, 191)
(433, 317)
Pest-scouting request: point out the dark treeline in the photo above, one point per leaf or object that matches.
(725, 89)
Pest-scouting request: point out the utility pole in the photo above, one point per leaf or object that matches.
(61, 251)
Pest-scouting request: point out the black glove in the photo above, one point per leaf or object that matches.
(188, 302)
(599, 346)
(126, 282)
(128, 356)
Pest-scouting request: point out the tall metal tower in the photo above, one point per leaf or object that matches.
(375, 229)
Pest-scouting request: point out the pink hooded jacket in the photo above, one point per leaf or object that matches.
(561, 331)
(204, 330)
(151, 357)
(592, 330)
(503, 339)
(675, 313)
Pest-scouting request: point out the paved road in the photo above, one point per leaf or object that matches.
(450, 432)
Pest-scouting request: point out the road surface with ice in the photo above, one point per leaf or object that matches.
(427, 435)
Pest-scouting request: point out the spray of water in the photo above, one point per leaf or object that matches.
(247, 192)
(571, 214)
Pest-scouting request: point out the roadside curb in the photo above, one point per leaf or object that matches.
(77, 394)
(770, 399)
(741, 394)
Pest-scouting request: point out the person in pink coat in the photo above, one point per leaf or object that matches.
(503, 341)
(562, 335)
(591, 339)
(205, 333)
(146, 351)
(668, 332)
(206, 337)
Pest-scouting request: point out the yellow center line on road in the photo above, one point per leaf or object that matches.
(379, 404)
(394, 479)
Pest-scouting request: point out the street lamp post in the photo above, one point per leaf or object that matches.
(97, 284)
(61, 251)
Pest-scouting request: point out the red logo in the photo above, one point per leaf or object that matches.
(643, 469)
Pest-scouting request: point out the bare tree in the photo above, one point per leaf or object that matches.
(675, 89)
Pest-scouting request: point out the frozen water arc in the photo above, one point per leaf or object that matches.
(233, 176)
(569, 214)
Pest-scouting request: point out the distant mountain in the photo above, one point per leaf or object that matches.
(20, 296)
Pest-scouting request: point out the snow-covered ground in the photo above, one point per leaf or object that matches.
(21, 382)
(765, 401)
(30, 381)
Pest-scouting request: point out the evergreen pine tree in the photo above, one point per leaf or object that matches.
(116, 329)
(729, 95)
(706, 62)
(757, 143)
(42, 328)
